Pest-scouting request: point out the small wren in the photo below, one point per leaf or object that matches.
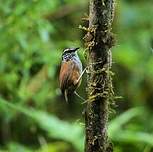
(70, 72)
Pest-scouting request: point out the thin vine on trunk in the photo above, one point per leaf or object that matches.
(98, 41)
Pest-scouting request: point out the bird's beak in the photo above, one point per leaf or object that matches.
(75, 49)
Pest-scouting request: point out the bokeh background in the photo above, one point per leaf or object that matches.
(33, 114)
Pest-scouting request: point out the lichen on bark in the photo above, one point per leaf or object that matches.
(99, 41)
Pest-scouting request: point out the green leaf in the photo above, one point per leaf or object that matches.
(58, 129)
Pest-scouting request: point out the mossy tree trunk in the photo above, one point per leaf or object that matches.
(99, 40)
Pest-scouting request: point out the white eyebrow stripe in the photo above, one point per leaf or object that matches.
(66, 50)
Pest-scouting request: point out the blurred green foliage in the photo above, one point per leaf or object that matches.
(33, 113)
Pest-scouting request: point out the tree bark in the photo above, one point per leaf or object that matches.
(98, 41)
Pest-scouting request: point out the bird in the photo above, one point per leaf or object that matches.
(70, 73)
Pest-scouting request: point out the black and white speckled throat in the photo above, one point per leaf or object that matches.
(68, 56)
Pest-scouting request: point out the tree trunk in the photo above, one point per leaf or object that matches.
(99, 40)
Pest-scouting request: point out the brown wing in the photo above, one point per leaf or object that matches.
(69, 74)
